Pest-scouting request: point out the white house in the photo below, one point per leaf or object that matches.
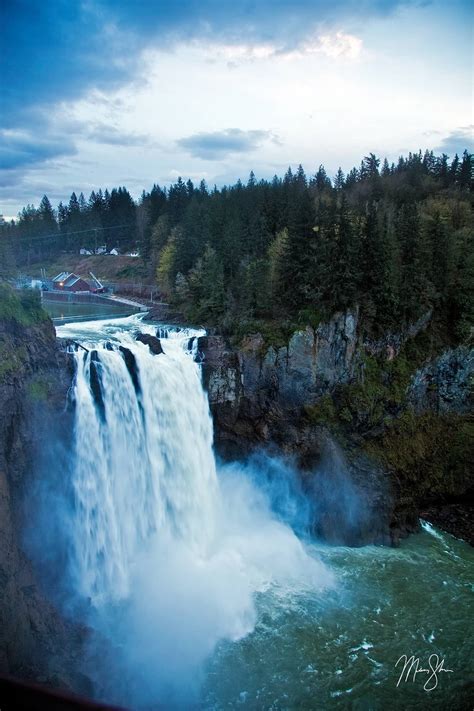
(133, 254)
(85, 252)
(101, 250)
(115, 252)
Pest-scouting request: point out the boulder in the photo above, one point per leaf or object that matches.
(153, 343)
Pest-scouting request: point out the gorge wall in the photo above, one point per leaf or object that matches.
(36, 642)
(401, 416)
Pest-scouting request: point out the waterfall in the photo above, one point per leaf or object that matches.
(169, 552)
(143, 458)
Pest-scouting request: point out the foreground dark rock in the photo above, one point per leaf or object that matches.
(457, 518)
(36, 642)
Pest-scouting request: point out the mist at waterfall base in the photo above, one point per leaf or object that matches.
(199, 582)
(167, 554)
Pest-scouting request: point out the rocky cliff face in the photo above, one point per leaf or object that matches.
(35, 641)
(313, 361)
(445, 384)
(249, 387)
(261, 396)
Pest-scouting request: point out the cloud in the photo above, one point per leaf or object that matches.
(336, 45)
(21, 148)
(219, 144)
(25, 154)
(458, 141)
(111, 135)
(339, 44)
(48, 139)
(54, 52)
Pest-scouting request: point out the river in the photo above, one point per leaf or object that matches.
(68, 311)
(202, 593)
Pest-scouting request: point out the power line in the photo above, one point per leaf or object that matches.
(77, 232)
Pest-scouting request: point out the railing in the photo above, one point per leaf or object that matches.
(59, 320)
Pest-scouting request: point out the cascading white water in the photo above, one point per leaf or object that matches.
(169, 553)
(145, 464)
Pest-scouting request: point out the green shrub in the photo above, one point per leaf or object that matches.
(309, 317)
(275, 334)
(322, 413)
(23, 306)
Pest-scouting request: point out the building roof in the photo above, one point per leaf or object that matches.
(62, 276)
(68, 279)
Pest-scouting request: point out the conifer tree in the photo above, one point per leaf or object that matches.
(466, 172)
(339, 179)
(415, 287)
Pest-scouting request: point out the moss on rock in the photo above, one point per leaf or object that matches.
(431, 453)
(39, 390)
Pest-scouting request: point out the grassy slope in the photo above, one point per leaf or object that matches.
(23, 307)
(17, 309)
(105, 267)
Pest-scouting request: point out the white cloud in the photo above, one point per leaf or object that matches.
(335, 45)
(338, 45)
(241, 52)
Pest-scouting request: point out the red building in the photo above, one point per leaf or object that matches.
(66, 281)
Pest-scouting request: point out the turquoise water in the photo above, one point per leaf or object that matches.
(339, 650)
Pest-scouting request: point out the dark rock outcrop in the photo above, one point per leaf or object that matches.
(255, 389)
(153, 343)
(352, 499)
(165, 314)
(259, 394)
(36, 642)
(455, 517)
(250, 387)
(391, 343)
(131, 363)
(96, 383)
(445, 384)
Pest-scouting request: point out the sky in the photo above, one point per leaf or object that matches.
(102, 93)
